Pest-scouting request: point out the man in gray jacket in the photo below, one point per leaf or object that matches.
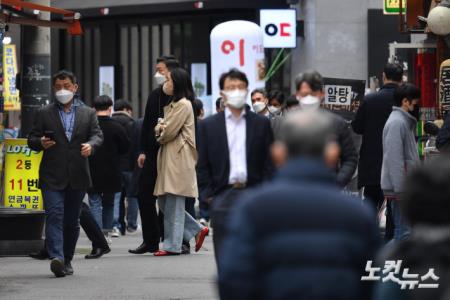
(68, 133)
(400, 153)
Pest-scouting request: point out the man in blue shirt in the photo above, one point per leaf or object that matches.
(68, 133)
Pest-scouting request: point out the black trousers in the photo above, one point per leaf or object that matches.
(149, 220)
(190, 206)
(90, 226)
(376, 197)
(221, 211)
(122, 216)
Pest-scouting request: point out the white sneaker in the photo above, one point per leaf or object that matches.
(115, 232)
(108, 239)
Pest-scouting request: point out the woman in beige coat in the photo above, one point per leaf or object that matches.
(176, 162)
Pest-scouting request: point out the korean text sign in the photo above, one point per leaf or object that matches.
(22, 175)
(279, 27)
(237, 44)
(10, 93)
(343, 96)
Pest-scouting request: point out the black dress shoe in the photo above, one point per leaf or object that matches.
(143, 248)
(42, 255)
(57, 267)
(97, 253)
(185, 249)
(68, 268)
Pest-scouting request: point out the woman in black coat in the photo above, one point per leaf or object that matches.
(104, 165)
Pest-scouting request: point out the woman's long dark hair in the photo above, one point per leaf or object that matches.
(182, 85)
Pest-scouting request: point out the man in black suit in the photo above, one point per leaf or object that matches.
(147, 159)
(234, 152)
(68, 133)
(369, 122)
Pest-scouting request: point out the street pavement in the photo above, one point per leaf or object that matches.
(117, 275)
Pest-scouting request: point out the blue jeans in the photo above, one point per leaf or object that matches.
(401, 228)
(62, 227)
(178, 224)
(133, 206)
(102, 208)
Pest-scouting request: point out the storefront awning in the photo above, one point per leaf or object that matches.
(70, 20)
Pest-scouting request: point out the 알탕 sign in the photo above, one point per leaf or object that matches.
(343, 96)
(279, 27)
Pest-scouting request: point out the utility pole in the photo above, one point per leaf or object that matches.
(36, 69)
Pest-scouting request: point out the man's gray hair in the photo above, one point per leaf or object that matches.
(313, 78)
(307, 132)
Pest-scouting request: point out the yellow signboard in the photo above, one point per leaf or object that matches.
(392, 7)
(22, 175)
(10, 93)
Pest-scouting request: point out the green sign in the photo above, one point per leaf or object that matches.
(392, 7)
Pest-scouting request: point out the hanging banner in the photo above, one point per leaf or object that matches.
(444, 85)
(1, 71)
(237, 44)
(10, 93)
(106, 81)
(21, 177)
(343, 96)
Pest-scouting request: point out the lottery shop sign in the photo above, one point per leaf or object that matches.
(279, 27)
(237, 44)
(343, 96)
(21, 179)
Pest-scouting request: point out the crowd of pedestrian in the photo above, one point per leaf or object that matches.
(269, 178)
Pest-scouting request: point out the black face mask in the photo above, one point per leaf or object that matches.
(416, 112)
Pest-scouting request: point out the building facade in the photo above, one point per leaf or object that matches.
(130, 37)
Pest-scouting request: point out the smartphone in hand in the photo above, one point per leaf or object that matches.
(49, 134)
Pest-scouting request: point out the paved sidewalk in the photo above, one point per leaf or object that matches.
(117, 275)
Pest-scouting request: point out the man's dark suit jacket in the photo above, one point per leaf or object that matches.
(148, 144)
(62, 164)
(369, 121)
(213, 167)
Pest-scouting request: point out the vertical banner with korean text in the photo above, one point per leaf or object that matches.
(21, 177)
(343, 96)
(1, 72)
(237, 44)
(10, 93)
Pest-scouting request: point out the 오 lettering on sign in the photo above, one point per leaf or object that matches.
(393, 272)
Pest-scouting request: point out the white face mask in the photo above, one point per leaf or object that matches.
(259, 106)
(159, 78)
(274, 110)
(64, 96)
(236, 98)
(309, 102)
